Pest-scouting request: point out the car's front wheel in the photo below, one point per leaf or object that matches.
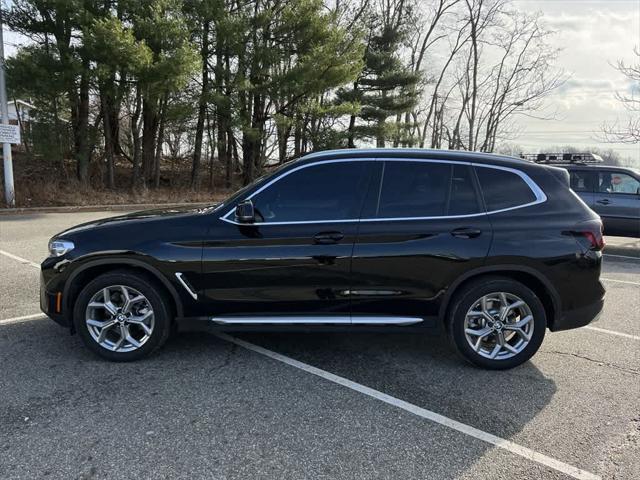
(121, 316)
(497, 323)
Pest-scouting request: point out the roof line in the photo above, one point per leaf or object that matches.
(422, 151)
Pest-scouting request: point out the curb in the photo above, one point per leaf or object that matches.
(96, 208)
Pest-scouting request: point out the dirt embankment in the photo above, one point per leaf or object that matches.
(42, 183)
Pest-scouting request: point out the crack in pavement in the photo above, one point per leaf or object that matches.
(599, 362)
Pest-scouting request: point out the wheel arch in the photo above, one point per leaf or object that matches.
(529, 277)
(87, 272)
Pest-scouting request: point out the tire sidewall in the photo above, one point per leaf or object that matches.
(474, 292)
(162, 319)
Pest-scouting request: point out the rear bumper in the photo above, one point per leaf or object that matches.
(579, 317)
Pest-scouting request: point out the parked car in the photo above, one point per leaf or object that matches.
(613, 193)
(492, 250)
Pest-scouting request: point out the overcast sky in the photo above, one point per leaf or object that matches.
(593, 34)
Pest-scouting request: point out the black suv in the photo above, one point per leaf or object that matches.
(493, 250)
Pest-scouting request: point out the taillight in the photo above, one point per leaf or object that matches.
(592, 232)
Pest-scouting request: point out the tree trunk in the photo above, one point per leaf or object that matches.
(202, 106)
(82, 130)
(211, 150)
(158, 155)
(284, 131)
(149, 130)
(352, 123)
(252, 140)
(474, 80)
(297, 137)
(232, 151)
(135, 133)
(224, 156)
(398, 135)
(108, 139)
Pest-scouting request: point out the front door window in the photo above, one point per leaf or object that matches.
(316, 193)
(616, 182)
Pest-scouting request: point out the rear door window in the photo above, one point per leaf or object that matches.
(463, 199)
(503, 189)
(415, 189)
(582, 181)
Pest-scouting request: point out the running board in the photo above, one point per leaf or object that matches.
(311, 320)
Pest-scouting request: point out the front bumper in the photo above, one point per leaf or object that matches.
(51, 305)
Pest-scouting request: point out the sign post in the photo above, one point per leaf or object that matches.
(8, 133)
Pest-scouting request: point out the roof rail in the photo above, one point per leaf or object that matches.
(562, 158)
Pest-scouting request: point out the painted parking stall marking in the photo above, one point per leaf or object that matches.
(612, 332)
(19, 259)
(628, 282)
(24, 318)
(508, 445)
(621, 256)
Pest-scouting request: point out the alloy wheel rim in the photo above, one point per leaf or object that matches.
(499, 325)
(119, 318)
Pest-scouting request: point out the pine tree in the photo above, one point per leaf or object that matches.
(386, 88)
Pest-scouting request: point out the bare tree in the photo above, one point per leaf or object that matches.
(508, 70)
(426, 23)
(629, 131)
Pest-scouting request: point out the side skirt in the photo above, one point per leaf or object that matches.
(308, 324)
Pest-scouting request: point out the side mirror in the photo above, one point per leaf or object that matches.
(245, 212)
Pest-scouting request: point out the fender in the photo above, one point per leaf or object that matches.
(502, 268)
(124, 261)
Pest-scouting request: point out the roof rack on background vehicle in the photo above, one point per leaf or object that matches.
(562, 158)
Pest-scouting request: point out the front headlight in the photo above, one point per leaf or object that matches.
(57, 248)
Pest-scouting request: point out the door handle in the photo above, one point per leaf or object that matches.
(604, 201)
(466, 232)
(328, 238)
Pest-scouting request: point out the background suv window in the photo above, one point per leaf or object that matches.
(616, 182)
(582, 180)
(503, 189)
(329, 191)
(426, 189)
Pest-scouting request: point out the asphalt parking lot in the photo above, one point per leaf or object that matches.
(312, 406)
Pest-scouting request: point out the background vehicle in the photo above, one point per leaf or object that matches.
(491, 249)
(612, 192)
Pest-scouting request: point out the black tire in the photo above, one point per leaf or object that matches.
(469, 295)
(146, 286)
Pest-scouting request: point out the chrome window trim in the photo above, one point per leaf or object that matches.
(541, 197)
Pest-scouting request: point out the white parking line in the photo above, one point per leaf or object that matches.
(421, 412)
(621, 256)
(19, 259)
(612, 332)
(628, 282)
(25, 318)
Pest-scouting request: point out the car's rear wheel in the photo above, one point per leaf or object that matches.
(497, 323)
(121, 316)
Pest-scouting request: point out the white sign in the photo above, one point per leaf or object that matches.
(9, 134)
